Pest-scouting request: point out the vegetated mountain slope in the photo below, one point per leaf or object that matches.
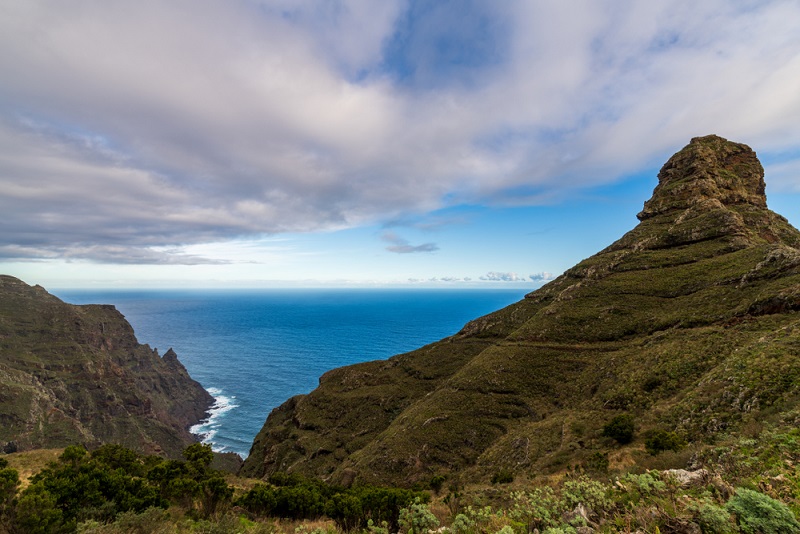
(77, 375)
(689, 322)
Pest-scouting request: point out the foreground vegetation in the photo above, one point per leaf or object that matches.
(748, 484)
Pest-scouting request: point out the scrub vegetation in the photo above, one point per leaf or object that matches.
(747, 484)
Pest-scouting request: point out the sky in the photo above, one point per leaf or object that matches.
(282, 143)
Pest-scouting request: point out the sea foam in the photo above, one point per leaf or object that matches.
(208, 428)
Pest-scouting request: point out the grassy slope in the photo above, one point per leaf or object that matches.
(689, 322)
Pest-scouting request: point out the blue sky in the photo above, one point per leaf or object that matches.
(300, 143)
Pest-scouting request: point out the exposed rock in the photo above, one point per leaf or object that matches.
(579, 514)
(687, 479)
(709, 173)
(77, 375)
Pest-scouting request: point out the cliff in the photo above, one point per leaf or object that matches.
(689, 323)
(77, 375)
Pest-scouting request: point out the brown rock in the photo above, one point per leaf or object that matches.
(709, 171)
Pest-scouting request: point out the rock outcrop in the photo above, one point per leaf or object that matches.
(689, 322)
(77, 375)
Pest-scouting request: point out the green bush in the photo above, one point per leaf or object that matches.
(259, 500)
(417, 518)
(436, 483)
(37, 512)
(757, 513)
(621, 428)
(713, 519)
(504, 476)
(462, 524)
(346, 511)
(537, 509)
(643, 484)
(663, 440)
(9, 483)
(597, 462)
(151, 521)
(585, 491)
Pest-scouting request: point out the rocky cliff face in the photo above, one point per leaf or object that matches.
(77, 375)
(689, 322)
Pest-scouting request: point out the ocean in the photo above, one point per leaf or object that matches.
(254, 349)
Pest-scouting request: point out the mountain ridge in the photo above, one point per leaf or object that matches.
(666, 324)
(78, 375)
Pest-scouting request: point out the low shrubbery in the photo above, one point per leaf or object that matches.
(659, 440)
(88, 491)
(290, 496)
(757, 513)
(620, 428)
(114, 491)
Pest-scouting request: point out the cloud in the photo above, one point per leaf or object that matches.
(541, 277)
(493, 276)
(123, 255)
(402, 246)
(152, 126)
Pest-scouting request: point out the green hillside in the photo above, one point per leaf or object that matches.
(77, 375)
(688, 323)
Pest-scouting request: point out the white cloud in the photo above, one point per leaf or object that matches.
(542, 277)
(144, 125)
(493, 276)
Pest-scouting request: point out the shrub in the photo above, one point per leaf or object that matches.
(597, 462)
(383, 528)
(620, 428)
(462, 524)
(346, 511)
(713, 519)
(9, 483)
(504, 476)
(757, 513)
(259, 500)
(663, 440)
(151, 521)
(538, 509)
(37, 512)
(417, 518)
(585, 491)
(645, 483)
(436, 483)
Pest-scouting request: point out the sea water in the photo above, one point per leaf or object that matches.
(253, 350)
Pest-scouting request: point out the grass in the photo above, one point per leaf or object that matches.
(28, 463)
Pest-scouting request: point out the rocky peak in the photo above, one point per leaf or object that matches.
(709, 171)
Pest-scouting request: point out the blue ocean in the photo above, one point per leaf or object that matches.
(254, 349)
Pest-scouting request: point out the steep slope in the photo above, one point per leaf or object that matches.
(77, 375)
(689, 322)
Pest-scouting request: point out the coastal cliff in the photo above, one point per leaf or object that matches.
(77, 375)
(688, 325)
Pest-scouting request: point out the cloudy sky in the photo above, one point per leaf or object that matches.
(299, 142)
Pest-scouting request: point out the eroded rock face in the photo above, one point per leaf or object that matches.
(77, 375)
(710, 170)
